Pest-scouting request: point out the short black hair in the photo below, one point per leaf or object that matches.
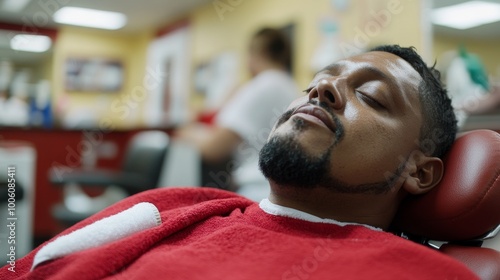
(439, 125)
(274, 45)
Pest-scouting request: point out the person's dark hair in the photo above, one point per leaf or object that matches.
(274, 44)
(439, 126)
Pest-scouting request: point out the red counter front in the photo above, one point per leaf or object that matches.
(62, 149)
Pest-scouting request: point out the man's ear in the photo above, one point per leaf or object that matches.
(425, 174)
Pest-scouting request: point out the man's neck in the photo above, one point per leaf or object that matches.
(374, 210)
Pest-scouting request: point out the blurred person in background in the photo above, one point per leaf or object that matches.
(243, 124)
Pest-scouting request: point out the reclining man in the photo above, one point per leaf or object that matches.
(339, 163)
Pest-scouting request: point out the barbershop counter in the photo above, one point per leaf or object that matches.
(58, 148)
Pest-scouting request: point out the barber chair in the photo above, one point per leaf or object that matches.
(140, 170)
(464, 210)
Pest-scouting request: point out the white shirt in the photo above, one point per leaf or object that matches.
(278, 210)
(251, 113)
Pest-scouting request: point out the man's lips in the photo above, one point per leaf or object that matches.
(318, 113)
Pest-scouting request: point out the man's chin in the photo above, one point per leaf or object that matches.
(287, 161)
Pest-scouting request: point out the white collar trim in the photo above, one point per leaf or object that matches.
(278, 210)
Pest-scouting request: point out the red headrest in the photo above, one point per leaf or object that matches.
(466, 204)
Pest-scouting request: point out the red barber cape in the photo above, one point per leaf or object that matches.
(213, 234)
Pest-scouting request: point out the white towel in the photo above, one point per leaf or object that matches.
(137, 218)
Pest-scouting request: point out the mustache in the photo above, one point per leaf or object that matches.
(339, 131)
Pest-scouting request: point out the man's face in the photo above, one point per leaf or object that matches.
(357, 125)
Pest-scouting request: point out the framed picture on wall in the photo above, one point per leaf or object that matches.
(93, 75)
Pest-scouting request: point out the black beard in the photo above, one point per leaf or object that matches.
(285, 162)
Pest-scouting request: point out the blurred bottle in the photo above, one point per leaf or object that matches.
(40, 106)
(15, 108)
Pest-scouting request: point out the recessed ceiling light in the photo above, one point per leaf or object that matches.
(466, 15)
(90, 18)
(30, 43)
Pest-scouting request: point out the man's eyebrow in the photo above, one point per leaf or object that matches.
(376, 72)
(366, 68)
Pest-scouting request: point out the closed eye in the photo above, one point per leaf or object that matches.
(370, 101)
(307, 90)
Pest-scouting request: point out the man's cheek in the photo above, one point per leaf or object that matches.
(280, 129)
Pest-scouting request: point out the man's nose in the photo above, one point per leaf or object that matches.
(326, 91)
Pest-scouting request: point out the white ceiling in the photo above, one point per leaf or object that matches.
(144, 14)
(485, 32)
(141, 14)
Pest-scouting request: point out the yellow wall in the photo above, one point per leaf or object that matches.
(213, 33)
(90, 43)
(487, 50)
(46, 69)
(401, 22)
